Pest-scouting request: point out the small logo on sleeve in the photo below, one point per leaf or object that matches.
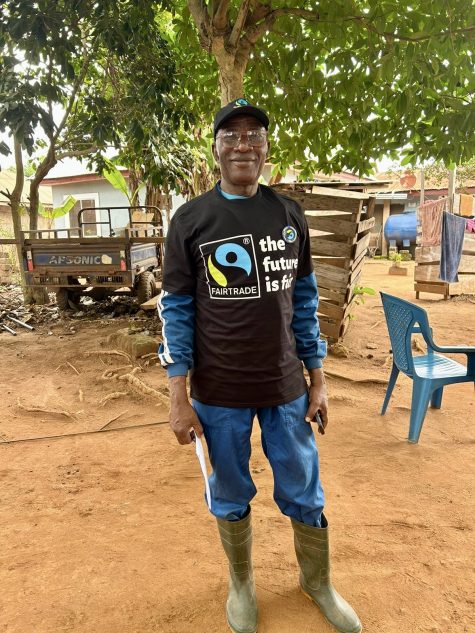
(289, 234)
(231, 270)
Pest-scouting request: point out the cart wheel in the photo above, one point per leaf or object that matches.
(99, 294)
(67, 299)
(62, 298)
(146, 287)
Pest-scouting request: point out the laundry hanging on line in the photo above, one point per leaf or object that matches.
(430, 220)
(470, 226)
(453, 229)
(466, 204)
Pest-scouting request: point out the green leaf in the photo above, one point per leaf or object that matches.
(115, 178)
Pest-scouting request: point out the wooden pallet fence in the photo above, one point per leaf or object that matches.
(426, 272)
(340, 222)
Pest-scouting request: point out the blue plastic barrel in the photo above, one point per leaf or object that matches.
(401, 229)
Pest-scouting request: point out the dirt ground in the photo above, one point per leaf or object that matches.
(108, 532)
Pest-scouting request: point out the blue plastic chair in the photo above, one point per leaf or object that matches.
(431, 372)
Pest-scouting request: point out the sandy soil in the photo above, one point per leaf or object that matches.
(107, 532)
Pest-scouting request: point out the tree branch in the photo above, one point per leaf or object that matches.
(201, 17)
(263, 22)
(407, 38)
(239, 23)
(76, 153)
(15, 200)
(19, 169)
(48, 162)
(220, 17)
(72, 97)
(258, 28)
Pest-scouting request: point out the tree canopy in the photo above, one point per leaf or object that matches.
(345, 82)
(89, 75)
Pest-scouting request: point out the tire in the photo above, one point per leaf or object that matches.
(67, 299)
(99, 294)
(62, 299)
(146, 287)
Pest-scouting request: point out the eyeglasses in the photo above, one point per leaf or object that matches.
(232, 138)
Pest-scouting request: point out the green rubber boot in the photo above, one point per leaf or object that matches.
(241, 607)
(313, 555)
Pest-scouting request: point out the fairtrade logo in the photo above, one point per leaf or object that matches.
(289, 234)
(231, 268)
(229, 254)
(241, 102)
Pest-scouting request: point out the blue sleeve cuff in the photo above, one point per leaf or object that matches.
(177, 369)
(313, 363)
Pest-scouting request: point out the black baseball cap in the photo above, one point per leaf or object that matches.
(237, 107)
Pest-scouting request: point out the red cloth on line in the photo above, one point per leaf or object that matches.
(470, 226)
(430, 220)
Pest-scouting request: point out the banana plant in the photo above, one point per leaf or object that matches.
(117, 180)
(51, 213)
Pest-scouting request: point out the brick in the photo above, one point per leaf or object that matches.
(136, 345)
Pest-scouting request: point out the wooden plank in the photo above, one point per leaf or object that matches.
(349, 292)
(340, 262)
(334, 225)
(371, 207)
(431, 254)
(330, 272)
(331, 213)
(331, 310)
(365, 225)
(332, 284)
(339, 193)
(361, 246)
(356, 272)
(330, 330)
(434, 288)
(326, 247)
(428, 254)
(336, 296)
(356, 262)
(322, 191)
(465, 286)
(332, 237)
(426, 273)
(468, 243)
(314, 220)
(466, 265)
(314, 202)
(354, 280)
(151, 304)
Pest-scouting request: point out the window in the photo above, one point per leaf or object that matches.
(87, 201)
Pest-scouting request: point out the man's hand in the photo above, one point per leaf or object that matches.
(317, 399)
(183, 417)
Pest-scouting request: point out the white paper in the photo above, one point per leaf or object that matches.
(201, 458)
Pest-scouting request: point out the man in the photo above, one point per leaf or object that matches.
(238, 309)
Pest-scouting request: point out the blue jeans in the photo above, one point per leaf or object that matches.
(289, 445)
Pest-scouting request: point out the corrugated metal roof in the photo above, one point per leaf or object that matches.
(395, 184)
(7, 182)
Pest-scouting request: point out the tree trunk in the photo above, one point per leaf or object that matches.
(133, 183)
(231, 83)
(232, 66)
(43, 169)
(15, 202)
(38, 295)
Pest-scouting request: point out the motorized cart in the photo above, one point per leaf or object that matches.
(95, 258)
